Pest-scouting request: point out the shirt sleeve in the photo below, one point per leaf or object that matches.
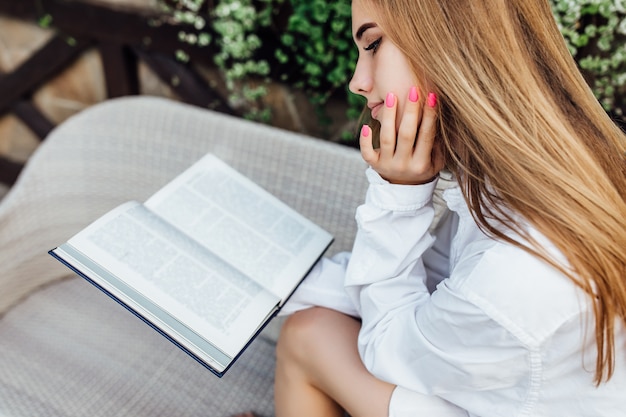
(323, 287)
(422, 342)
(386, 270)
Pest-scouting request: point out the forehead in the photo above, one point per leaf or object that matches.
(362, 15)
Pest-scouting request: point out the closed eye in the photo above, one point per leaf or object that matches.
(374, 45)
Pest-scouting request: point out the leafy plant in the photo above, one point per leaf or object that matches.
(595, 31)
(308, 44)
(304, 43)
(317, 39)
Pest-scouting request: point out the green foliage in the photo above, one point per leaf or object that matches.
(595, 31)
(45, 21)
(234, 29)
(308, 44)
(318, 41)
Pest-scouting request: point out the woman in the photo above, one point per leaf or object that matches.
(515, 304)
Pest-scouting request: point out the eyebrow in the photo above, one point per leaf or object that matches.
(362, 29)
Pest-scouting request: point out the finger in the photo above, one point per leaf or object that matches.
(426, 135)
(407, 132)
(368, 153)
(388, 127)
(439, 160)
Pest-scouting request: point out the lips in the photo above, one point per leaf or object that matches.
(375, 108)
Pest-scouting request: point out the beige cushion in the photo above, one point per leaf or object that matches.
(68, 350)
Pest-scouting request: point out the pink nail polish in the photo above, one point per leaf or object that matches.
(365, 131)
(432, 99)
(390, 100)
(413, 96)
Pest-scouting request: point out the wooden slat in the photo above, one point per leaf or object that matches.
(39, 68)
(111, 23)
(120, 34)
(33, 118)
(120, 70)
(9, 170)
(185, 81)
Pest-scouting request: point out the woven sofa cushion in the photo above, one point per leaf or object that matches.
(67, 349)
(127, 148)
(70, 351)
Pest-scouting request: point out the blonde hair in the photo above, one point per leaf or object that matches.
(524, 132)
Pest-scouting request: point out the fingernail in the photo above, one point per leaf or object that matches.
(413, 96)
(390, 100)
(432, 99)
(365, 131)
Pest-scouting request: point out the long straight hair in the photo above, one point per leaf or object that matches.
(524, 133)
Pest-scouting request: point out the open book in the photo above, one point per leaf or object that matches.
(207, 261)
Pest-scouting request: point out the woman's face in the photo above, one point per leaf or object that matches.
(381, 67)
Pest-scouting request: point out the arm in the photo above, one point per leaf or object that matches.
(386, 277)
(394, 221)
(391, 239)
(444, 344)
(323, 287)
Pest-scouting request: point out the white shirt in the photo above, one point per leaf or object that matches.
(503, 333)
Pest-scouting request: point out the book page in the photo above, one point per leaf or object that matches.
(189, 282)
(242, 223)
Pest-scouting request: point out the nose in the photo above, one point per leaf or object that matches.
(361, 82)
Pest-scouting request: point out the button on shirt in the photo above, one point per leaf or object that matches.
(463, 324)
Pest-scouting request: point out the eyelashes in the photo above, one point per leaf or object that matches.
(374, 45)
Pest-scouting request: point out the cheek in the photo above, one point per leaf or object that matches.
(400, 66)
(398, 76)
(406, 78)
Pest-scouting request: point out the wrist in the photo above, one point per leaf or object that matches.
(398, 197)
(411, 182)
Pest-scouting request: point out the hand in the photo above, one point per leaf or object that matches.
(408, 156)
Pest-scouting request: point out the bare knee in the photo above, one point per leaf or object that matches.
(298, 334)
(318, 348)
(302, 365)
(304, 336)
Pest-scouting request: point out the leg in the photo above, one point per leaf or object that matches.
(319, 371)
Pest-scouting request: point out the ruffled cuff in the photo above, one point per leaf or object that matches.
(397, 197)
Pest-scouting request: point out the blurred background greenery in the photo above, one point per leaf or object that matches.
(282, 62)
(308, 45)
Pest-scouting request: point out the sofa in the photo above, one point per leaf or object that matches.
(66, 349)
